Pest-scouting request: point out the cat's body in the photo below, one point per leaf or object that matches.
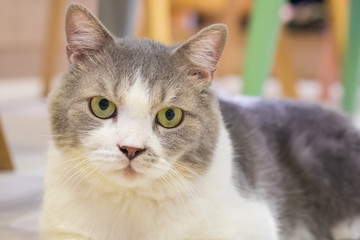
(303, 159)
(143, 150)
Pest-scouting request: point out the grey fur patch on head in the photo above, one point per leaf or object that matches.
(107, 66)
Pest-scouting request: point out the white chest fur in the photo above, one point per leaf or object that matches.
(217, 211)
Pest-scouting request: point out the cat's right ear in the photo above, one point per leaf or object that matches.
(85, 34)
(204, 50)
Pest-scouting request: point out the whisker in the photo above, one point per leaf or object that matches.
(186, 168)
(188, 186)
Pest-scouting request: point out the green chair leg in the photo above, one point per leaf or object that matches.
(351, 66)
(261, 44)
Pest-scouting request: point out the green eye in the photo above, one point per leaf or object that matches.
(102, 108)
(169, 117)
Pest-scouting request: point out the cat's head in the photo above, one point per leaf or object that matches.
(135, 110)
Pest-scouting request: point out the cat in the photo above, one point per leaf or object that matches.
(144, 149)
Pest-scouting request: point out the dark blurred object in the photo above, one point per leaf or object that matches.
(295, 2)
(307, 15)
(5, 160)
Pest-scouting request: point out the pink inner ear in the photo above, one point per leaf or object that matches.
(71, 55)
(206, 51)
(84, 35)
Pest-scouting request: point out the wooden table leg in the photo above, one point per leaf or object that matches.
(57, 9)
(5, 161)
(284, 67)
(339, 22)
(158, 15)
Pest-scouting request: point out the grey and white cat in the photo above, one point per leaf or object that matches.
(143, 149)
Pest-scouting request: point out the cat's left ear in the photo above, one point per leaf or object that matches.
(204, 50)
(85, 34)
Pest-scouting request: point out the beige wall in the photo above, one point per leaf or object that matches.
(23, 25)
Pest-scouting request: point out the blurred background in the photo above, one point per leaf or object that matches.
(301, 49)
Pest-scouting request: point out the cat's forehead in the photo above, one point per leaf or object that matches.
(138, 67)
(131, 58)
(145, 54)
(137, 96)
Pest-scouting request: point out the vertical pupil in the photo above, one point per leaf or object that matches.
(103, 104)
(169, 114)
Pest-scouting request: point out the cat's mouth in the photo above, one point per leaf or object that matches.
(129, 172)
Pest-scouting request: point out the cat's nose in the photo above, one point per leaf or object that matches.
(131, 152)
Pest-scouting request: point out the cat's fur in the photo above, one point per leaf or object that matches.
(233, 169)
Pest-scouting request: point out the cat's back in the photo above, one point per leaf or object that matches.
(318, 140)
(291, 122)
(307, 156)
(281, 115)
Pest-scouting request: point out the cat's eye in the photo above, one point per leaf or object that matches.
(102, 108)
(169, 117)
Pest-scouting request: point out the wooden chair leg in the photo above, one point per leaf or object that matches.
(261, 44)
(5, 160)
(51, 43)
(339, 12)
(158, 15)
(351, 69)
(284, 69)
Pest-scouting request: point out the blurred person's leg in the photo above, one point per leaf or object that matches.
(329, 64)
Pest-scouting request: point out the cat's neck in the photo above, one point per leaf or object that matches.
(219, 174)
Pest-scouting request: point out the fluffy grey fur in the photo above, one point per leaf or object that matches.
(302, 159)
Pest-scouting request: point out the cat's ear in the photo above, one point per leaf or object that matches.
(85, 34)
(204, 50)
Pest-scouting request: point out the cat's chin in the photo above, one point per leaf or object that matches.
(128, 177)
(128, 173)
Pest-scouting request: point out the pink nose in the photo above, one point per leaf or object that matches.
(131, 152)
